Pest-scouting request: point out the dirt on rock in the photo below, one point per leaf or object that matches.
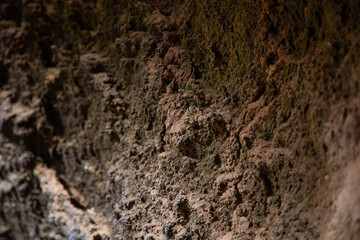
(179, 120)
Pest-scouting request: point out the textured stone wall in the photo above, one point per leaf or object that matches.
(179, 120)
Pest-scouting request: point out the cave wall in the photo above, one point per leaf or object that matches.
(179, 119)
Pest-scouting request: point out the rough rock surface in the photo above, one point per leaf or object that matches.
(179, 120)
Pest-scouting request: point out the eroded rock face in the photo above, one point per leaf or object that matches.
(193, 120)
